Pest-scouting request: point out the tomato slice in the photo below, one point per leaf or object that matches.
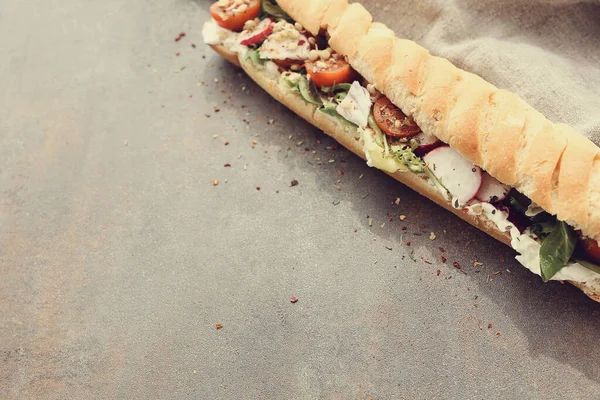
(288, 63)
(331, 71)
(591, 249)
(392, 120)
(233, 16)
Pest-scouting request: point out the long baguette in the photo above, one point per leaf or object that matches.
(309, 113)
(553, 165)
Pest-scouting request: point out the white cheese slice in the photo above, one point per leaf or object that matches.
(356, 106)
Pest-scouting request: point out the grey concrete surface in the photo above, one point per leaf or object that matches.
(118, 256)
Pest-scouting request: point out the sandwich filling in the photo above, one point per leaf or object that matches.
(303, 64)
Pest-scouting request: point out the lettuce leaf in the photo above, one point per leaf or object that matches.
(272, 9)
(254, 56)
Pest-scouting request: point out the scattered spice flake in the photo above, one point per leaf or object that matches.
(300, 143)
(497, 334)
(227, 165)
(365, 196)
(226, 142)
(331, 161)
(258, 188)
(508, 270)
(382, 225)
(438, 272)
(412, 257)
(480, 325)
(501, 259)
(182, 68)
(216, 109)
(293, 299)
(339, 172)
(397, 201)
(370, 221)
(408, 243)
(207, 115)
(444, 259)
(442, 249)
(489, 326)
(178, 37)
(497, 272)
(432, 236)
(294, 183)
(402, 217)
(219, 326)
(476, 264)
(456, 265)
(253, 143)
(178, 53)
(361, 176)
(193, 45)
(270, 122)
(215, 182)
(404, 228)
(389, 248)
(335, 203)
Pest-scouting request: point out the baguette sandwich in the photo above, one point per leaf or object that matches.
(478, 151)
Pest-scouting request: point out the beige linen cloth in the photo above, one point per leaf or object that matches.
(546, 51)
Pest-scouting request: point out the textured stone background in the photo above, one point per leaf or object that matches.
(118, 256)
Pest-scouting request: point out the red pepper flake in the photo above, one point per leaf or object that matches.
(253, 143)
(404, 228)
(226, 142)
(301, 42)
(219, 326)
(444, 259)
(442, 249)
(178, 37)
(408, 243)
(497, 334)
(215, 182)
(293, 299)
(227, 165)
(438, 272)
(450, 277)
(456, 265)
(178, 53)
(501, 259)
(340, 172)
(294, 182)
(258, 188)
(489, 326)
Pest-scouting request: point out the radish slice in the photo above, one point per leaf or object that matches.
(459, 176)
(491, 189)
(426, 143)
(258, 34)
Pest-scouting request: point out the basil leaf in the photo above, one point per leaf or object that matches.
(543, 229)
(254, 56)
(273, 10)
(330, 110)
(309, 92)
(557, 250)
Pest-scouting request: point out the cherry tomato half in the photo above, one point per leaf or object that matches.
(591, 249)
(230, 16)
(392, 120)
(331, 71)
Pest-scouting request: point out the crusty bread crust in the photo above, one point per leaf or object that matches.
(550, 163)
